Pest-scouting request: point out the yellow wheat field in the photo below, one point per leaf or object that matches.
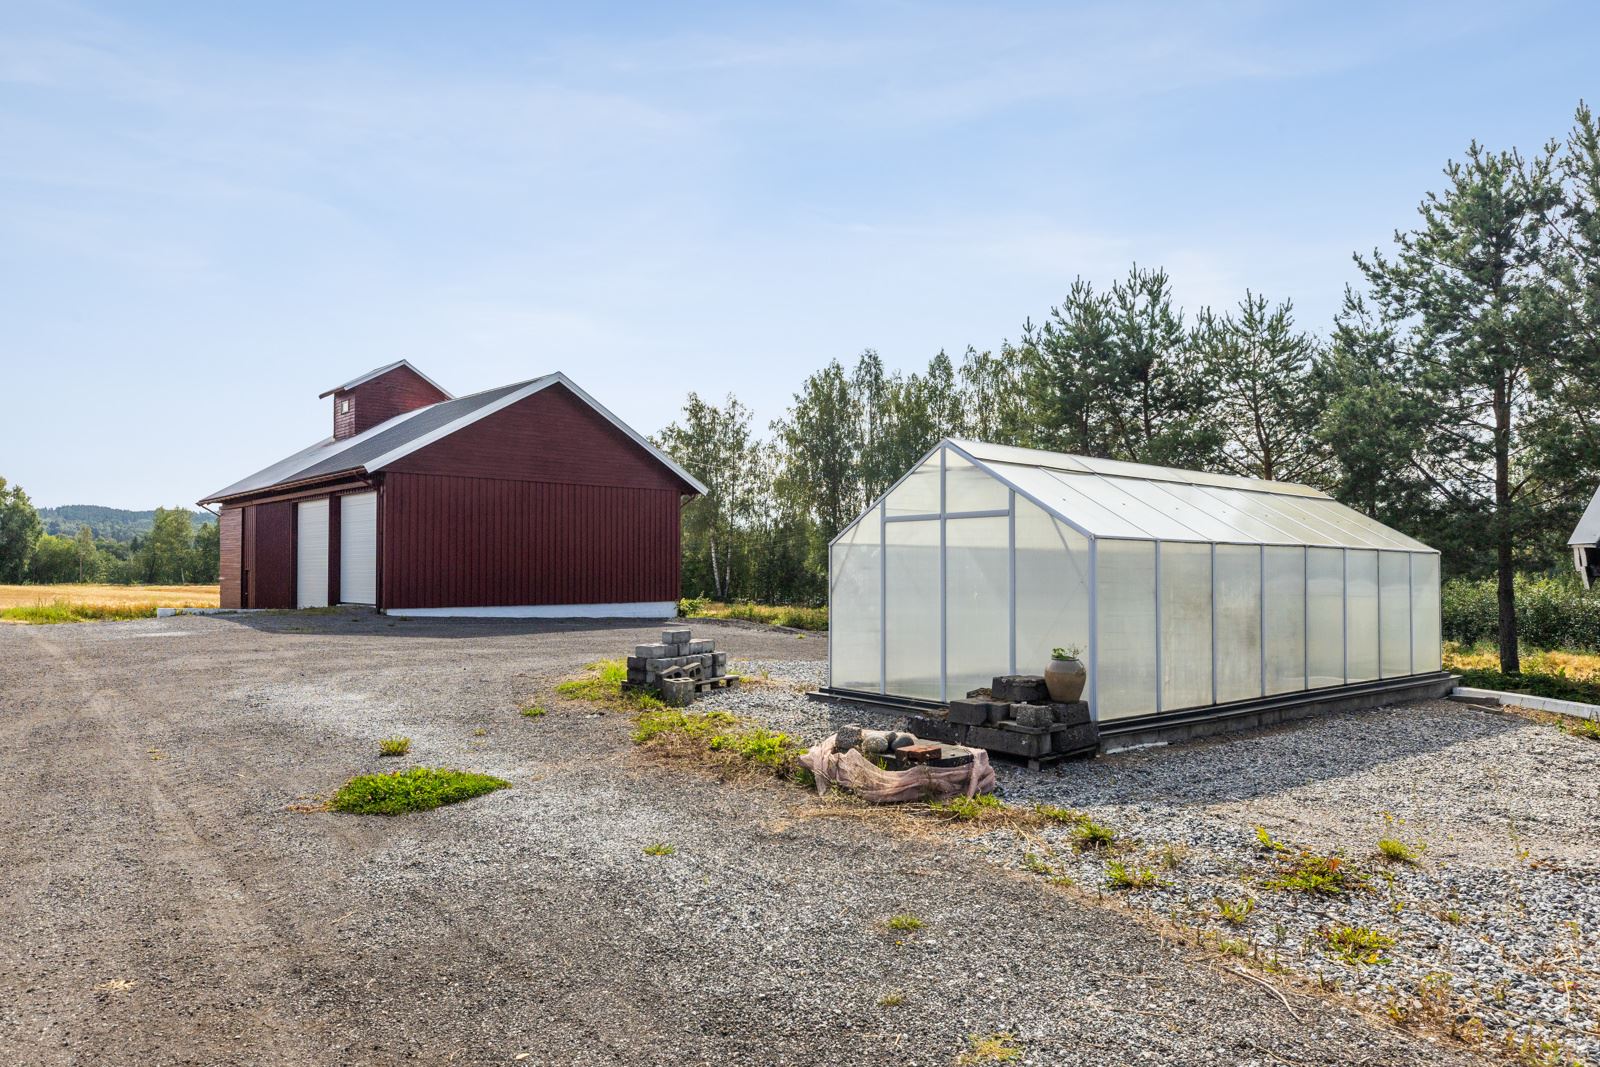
(110, 596)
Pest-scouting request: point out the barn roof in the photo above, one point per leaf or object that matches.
(378, 372)
(388, 442)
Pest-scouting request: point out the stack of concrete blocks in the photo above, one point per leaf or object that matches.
(678, 667)
(1014, 717)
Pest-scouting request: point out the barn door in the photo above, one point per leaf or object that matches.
(311, 555)
(358, 548)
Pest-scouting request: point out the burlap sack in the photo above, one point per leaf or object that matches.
(854, 773)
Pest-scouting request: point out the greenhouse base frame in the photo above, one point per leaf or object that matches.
(1192, 723)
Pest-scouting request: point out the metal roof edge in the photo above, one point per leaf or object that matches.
(385, 369)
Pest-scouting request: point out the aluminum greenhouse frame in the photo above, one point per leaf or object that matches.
(1184, 590)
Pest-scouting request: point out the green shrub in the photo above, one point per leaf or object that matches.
(1551, 612)
(417, 789)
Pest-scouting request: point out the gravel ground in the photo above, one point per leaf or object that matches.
(172, 894)
(1496, 921)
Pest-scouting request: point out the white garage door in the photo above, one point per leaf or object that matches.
(358, 548)
(311, 554)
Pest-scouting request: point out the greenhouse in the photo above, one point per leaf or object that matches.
(1181, 590)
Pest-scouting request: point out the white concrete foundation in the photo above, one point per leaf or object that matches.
(648, 609)
(1525, 700)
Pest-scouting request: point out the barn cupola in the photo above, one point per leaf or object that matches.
(379, 395)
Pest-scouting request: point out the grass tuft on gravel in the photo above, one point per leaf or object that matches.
(1397, 851)
(990, 1048)
(1356, 945)
(417, 789)
(58, 611)
(660, 848)
(603, 685)
(394, 746)
(903, 923)
(1311, 873)
(720, 739)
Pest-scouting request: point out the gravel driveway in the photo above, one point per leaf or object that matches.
(171, 895)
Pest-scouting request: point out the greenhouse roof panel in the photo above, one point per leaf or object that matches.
(1114, 499)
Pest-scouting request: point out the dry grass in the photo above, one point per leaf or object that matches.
(111, 596)
(1578, 666)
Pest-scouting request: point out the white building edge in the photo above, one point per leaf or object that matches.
(1183, 590)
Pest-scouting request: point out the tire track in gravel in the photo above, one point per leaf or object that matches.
(198, 912)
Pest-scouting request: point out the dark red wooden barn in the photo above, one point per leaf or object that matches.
(530, 500)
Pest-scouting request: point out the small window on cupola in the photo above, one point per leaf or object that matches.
(344, 407)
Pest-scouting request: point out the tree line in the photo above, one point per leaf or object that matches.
(174, 552)
(1456, 396)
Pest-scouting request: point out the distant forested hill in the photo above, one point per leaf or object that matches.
(110, 524)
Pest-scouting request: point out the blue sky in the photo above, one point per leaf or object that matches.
(207, 216)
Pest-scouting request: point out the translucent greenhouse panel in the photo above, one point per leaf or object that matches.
(1325, 616)
(1394, 613)
(919, 493)
(1232, 508)
(1204, 517)
(855, 607)
(1125, 610)
(1424, 612)
(1045, 487)
(1361, 615)
(1282, 512)
(1285, 607)
(970, 488)
(977, 577)
(1052, 588)
(912, 596)
(1137, 502)
(1238, 622)
(1359, 531)
(1185, 625)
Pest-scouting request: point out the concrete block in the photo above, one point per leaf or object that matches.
(969, 712)
(1020, 688)
(650, 651)
(677, 692)
(999, 711)
(1084, 737)
(1038, 715)
(638, 663)
(675, 637)
(1075, 714)
(636, 677)
(931, 728)
(696, 647)
(719, 663)
(1024, 743)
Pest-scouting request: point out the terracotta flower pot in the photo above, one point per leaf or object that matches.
(1064, 678)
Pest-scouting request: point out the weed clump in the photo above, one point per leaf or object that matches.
(1091, 836)
(1311, 873)
(1235, 912)
(734, 742)
(968, 809)
(604, 685)
(417, 789)
(660, 848)
(394, 746)
(903, 923)
(990, 1048)
(1120, 875)
(1356, 945)
(1397, 851)
(533, 712)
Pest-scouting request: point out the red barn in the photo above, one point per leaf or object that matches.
(529, 500)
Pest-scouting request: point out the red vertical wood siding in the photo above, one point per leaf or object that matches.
(230, 545)
(551, 436)
(381, 399)
(451, 541)
(269, 555)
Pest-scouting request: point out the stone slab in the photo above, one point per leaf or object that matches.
(1074, 714)
(969, 712)
(1027, 744)
(929, 728)
(696, 647)
(651, 651)
(1020, 688)
(675, 637)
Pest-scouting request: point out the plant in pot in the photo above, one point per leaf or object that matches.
(1065, 676)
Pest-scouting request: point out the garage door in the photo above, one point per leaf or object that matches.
(358, 548)
(311, 555)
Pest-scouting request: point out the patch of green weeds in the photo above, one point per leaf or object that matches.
(417, 789)
(1356, 945)
(1120, 875)
(903, 923)
(660, 848)
(1308, 872)
(394, 746)
(604, 685)
(1268, 843)
(1235, 912)
(1397, 851)
(1091, 836)
(891, 1000)
(533, 711)
(968, 809)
